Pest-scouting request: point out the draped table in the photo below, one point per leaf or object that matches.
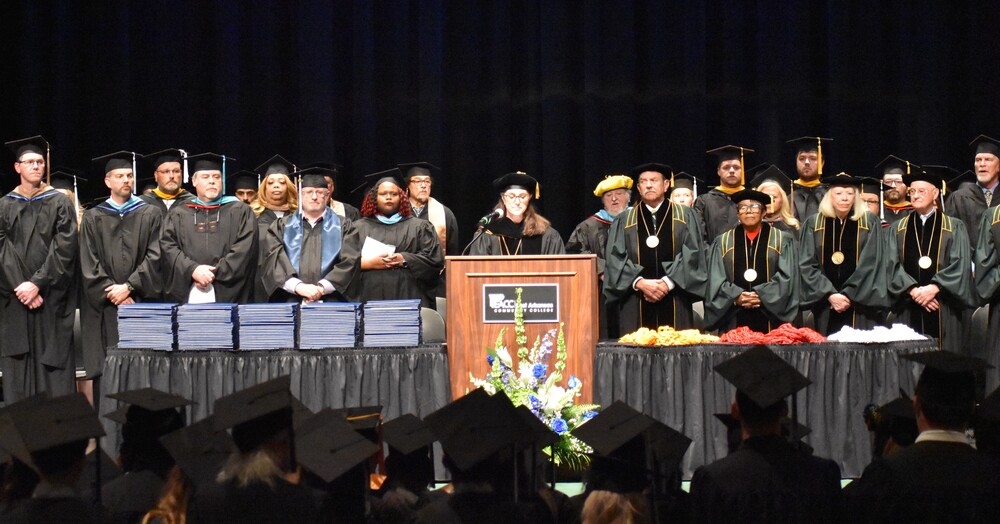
(411, 379)
(678, 387)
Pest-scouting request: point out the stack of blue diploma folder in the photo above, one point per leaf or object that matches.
(205, 326)
(392, 323)
(329, 325)
(266, 326)
(146, 326)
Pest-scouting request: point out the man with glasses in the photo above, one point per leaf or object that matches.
(38, 260)
(654, 261)
(168, 173)
(970, 202)
(891, 170)
(209, 245)
(119, 258)
(715, 209)
(419, 177)
(312, 254)
(753, 276)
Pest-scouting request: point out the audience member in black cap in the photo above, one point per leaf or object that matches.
(55, 431)
(38, 261)
(940, 478)
(768, 479)
(401, 257)
(169, 168)
(970, 203)
(209, 245)
(254, 484)
(715, 208)
(520, 229)
(409, 470)
(930, 266)
(893, 426)
(753, 277)
(842, 260)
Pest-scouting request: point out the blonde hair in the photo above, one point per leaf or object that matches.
(785, 212)
(258, 466)
(534, 223)
(260, 203)
(826, 205)
(606, 507)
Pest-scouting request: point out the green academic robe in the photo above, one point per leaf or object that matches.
(775, 260)
(945, 241)
(987, 284)
(679, 256)
(861, 276)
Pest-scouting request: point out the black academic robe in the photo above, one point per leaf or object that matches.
(987, 284)
(421, 250)
(349, 211)
(503, 237)
(264, 221)
(716, 213)
(679, 256)
(968, 204)
(781, 225)
(950, 270)
(127, 498)
(115, 248)
(158, 203)
(257, 502)
(893, 214)
(766, 480)
(775, 259)
(38, 243)
(591, 237)
(861, 276)
(266, 218)
(452, 245)
(805, 200)
(926, 482)
(51, 510)
(277, 267)
(223, 236)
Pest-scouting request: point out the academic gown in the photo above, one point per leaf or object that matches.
(38, 242)
(679, 256)
(775, 259)
(115, 248)
(891, 214)
(591, 237)
(987, 283)
(717, 214)
(452, 244)
(926, 482)
(257, 502)
(805, 200)
(503, 237)
(223, 236)
(157, 202)
(340, 271)
(52, 505)
(861, 276)
(349, 211)
(950, 269)
(767, 480)
(421, 250)
(968, 204)
(127, 498)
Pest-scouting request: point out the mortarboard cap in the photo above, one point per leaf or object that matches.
(808, 143)
(119, 415)
(517, 179)
(200, 450)
(683, 180)
(49, 422)
(474, 428)
(944, 173)
(277, 164)
(985, 144)
(393, 175)
(750, 194)
(613, 427)
(35, 144)
(769, 173)
(612, 182)
(151, 399)
(655, 167)
(419, 169)
(167, 155)
(762, 375)
(243, 180)
(728, 420)
(894, 163)
(10, 439)
(793, 430)
(312, 180)
(66, 178)
(366, 420)
(327, 446)
(920, 175)
(870, 184)
(257, 413)
(537, 432)
(968, 177)
(901, 406)
(118, 160)
(729, 153)
(210, 162)
(300, 412)
(842, 179)
(948, 362)
(150, 413)
(407, 434)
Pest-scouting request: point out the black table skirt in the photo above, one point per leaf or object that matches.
(401, 379)
(678, 386)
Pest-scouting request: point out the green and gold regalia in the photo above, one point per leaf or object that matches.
(677, 254)
(987, 283)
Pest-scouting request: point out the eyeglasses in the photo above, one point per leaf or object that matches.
(872, 201)
(746, 208)
(168, 171)
(420, 182)
(892, 183)
(321, 193)
(920, 192)
(516, 197)
(32, 162)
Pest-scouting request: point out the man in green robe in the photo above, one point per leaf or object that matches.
(654, 261)
(930, 266)
(841, 260)
(752, 271)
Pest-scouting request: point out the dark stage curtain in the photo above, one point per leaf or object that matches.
(678, 386)
(568, 91)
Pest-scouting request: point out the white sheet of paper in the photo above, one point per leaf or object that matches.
(373, 248)
(197, 296)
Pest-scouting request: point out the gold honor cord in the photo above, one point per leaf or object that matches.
(924, 261)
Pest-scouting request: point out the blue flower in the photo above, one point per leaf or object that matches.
(573, 382)
(489, 359)
(559, 426)
(539, 370)
(535, 402)
(589, 415)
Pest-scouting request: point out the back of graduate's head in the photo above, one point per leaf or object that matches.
(62, 463)
(757, 419)
(945, 400)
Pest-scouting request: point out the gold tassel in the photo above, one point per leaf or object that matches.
(907, 167)
(819, 156)
(742, 170)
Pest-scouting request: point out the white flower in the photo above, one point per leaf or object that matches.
(504, 357)
(524, 369)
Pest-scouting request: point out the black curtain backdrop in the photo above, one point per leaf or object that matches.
(568, 91)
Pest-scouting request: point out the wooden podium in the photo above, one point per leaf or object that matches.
(575, 277)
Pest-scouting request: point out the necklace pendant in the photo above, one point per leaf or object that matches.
(652, 241)
(837, 258)
(750, 275)
(924, 262)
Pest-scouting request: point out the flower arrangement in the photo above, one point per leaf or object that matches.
(533, 383)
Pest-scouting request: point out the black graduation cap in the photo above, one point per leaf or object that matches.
(968, 177)
(150, 413)
(119, 415)
(374, 180)
(257, 413)
(920, 175)
(474, 428)
(945, 173)
(407, 434)
(300, 412)
(948, 362)
(684, 180)
(151, 399)
(985, 144)
(770, 173)
(762, 375)
(750, 194)
(35, 144)
(870, 185)
(892, 162)
(200, 450)
(901, 406)
(328, 446)
(517, 179)
(312, 180)
(118, 160)
(277, 164)
(170, 155)
(244, 180)
(537, 432)
(10, 438)
(793, 429)
(419, 169)
(210, 162)
(842, 179)
(66, 178)
(329, 169)
(730, 153)
(619, 423)
(808, 143)
(49, 422)
(655, 167)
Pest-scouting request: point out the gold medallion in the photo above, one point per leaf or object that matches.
(837, 258)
